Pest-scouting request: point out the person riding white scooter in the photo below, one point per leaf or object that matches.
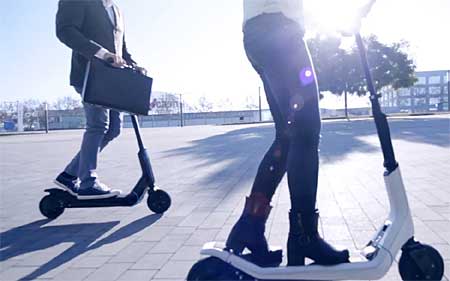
(275, 45)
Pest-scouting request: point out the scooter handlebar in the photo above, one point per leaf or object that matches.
(363, 12)
(366, 9)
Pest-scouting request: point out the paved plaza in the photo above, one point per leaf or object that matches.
(208, 170)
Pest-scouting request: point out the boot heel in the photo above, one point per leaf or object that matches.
(295, 259)
(237, 247)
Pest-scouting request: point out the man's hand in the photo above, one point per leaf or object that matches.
(352, 29)
(355, 25)
(114, 60)
(141, 70)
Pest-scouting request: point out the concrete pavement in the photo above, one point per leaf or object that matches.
(208, 170)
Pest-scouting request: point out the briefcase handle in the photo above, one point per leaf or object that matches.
(110, 61)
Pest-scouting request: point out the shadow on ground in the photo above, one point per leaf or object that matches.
(36, 236)
(339, 138)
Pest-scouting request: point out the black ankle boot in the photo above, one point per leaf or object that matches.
(305, 242)
(248, 232)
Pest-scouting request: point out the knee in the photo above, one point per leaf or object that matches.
(306, 134)
(280, 146)
(98, 128)
(113, 132)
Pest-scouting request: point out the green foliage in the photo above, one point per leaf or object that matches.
(339, 71)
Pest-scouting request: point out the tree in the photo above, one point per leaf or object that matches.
(225, 104)
(340, 71)
(165, 103)
(250, 102)
(67, 103)
(32, 111)
(204, 105)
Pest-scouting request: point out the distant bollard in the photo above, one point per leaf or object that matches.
(46, 117)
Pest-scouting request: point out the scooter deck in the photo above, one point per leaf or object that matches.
(71, 201)
(359, 268)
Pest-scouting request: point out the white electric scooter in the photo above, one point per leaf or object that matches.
(417, 262)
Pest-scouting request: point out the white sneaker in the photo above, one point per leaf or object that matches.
(97, 191)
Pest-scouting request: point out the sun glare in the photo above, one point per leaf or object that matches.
(329, 16)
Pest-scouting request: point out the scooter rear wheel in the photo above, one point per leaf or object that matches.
(51, 206)
(214, 269)
(158, 201)
(420, 262)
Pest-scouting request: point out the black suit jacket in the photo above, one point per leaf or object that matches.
(78, 23)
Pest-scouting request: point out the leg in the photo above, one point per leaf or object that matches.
(97, 124)
(304, 131)
(115, 127)
(274, 164)
(289, 72)
(97, 120)
(303, 165)
(72, 168)
(248, 232)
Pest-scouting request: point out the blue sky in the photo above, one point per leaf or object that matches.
(193, 47)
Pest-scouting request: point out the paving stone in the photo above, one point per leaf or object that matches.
(152, 261)
(187, 253)
(109, 272)
(133, 252)
(169, 244)
(201, 236)
(175, 270)
(16, 273)
(194, 219)
(90, 262)
(137, 275)
(74, 274)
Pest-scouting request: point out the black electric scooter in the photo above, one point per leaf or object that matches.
(53, 204)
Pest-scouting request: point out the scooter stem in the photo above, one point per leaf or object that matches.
(379, 117)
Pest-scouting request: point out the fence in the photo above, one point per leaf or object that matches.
(17, 118)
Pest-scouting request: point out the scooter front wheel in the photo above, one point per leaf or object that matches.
(420, 262)
(214, 269)
(51, 206)
(158, 201)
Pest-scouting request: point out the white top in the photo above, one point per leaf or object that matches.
(109, 6)
(292, 9)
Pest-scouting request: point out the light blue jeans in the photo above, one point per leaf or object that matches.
(102, 126)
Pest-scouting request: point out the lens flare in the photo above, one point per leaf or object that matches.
(306, 76)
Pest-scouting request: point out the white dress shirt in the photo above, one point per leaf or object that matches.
(109, 6)
(292, 9)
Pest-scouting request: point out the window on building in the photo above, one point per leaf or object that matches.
(404, 102)
(445, 90)
(420, 102)
(421, 80)
(434, 79)
(404, 92)
(434, 90)
(435, 101)
(419, 91)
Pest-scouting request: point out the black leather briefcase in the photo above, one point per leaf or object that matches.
(122, 89)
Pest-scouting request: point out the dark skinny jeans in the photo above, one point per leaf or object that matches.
(275, 46)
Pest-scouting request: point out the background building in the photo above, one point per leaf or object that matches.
(429, 94)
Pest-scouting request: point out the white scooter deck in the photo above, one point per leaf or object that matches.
(375, 259)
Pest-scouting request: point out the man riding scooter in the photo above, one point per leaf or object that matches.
(92, 29)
